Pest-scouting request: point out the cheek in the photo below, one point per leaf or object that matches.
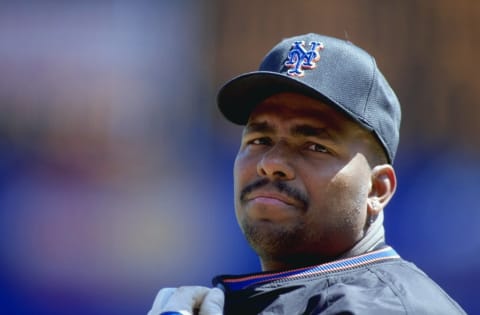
(352, 188)
(238, 173)
(237, 177)
(244, 167)
(343, 199)
(244, 172)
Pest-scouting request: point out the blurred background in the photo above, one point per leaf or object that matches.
(116, 168)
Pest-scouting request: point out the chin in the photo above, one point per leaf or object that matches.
(272, 240)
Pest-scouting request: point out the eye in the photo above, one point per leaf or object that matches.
(260, 141)
(317, 148)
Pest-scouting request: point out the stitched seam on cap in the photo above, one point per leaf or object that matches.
(374, 76)
(385, 144)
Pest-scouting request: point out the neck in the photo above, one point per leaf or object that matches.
(294, 262)
(374, 236)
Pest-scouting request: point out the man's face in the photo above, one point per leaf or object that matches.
(302, 181)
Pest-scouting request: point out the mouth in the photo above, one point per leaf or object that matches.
(274, 199)
(270, 198)
(271, 206)
(274, 193)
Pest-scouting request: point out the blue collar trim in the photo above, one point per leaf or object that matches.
(235, 283)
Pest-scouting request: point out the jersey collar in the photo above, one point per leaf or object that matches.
(235, 283)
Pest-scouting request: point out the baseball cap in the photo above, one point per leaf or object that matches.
(326, 68)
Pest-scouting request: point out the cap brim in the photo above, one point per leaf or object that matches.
(238, 97)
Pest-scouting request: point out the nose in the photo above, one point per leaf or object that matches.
(276, 163)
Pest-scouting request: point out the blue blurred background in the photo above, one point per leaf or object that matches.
(115, 167)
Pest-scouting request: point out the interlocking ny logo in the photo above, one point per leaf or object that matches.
(300, 59)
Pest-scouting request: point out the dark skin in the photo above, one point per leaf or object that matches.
(305, 182)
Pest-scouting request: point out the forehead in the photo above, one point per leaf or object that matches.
(293, 107)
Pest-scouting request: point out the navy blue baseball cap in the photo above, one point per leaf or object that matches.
(326, 68)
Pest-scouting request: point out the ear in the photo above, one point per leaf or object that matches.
(384, 183)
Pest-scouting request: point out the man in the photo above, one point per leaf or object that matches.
(312, 176)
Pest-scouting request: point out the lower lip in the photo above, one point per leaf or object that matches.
(266, 208)
(270, 201)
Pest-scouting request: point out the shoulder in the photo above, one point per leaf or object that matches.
(389, 287)
(397, 286)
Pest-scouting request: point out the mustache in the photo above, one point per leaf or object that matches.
(280, 186)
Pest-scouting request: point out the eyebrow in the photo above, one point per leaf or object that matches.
(310, 131)
(304, 130)
(261, 127)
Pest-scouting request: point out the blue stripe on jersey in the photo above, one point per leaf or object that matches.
(238, 283)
